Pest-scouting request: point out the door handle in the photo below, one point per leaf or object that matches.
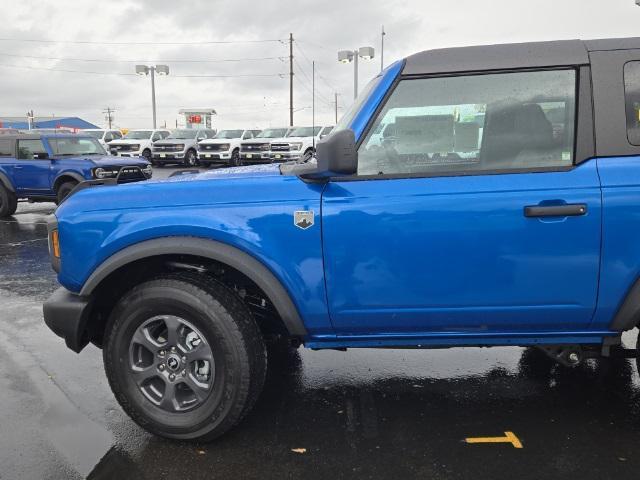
(568, 210)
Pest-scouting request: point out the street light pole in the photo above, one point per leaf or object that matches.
(151, 70)
(348, 56)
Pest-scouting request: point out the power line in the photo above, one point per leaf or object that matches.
(100, 42)
(63, 70)
(99, 60)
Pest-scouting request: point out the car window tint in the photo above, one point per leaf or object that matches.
(30, 149)
(6, 148)
(491, 122)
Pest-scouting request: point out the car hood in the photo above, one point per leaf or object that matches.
(113, 161)
(226, 173)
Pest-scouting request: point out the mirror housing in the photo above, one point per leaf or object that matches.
(336, 155)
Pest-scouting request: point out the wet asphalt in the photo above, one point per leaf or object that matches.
(356, 414)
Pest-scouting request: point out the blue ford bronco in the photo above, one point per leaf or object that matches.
(47, 167)
(476, 196)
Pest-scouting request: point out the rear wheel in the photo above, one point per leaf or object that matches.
(64, 190)
(184, 357)
(8, 202)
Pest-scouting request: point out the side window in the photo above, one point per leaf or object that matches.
(165, 134)
(247, 135)
(116, 134)
(632, 100)
(156, 136)
(491, 122)
(108, 137)
(6, 148)
(30, 149)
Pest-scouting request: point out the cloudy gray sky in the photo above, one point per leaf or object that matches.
(111, 36)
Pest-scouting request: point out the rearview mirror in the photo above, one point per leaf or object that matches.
(336, 155)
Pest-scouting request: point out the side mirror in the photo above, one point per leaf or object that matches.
(336, 155)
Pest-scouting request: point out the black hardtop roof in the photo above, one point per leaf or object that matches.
(38, 136)
(512, 55)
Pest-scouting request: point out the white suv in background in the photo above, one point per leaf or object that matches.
(137, 143)
(224, 147)
(299, 143)
(105, 137)
(258, 149)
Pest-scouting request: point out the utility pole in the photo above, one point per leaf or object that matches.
(291, 79)
(336, 103)
(313, 102)
(109, 115)
(382, 49)
(153, 94)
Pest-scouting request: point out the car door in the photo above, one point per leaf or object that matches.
(473, 215)
(33, 168)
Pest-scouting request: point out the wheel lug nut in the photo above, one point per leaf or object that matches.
(161, 353)
(161, 367)
(173, 349)
(184, 373)
(172, 377)
(184, 359)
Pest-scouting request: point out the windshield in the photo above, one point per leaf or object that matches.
(75, 146)
(138, 135)
(96, 133)
(347, 118)
(304, 132)
(183, 134)
(229, 134)
(272, 133)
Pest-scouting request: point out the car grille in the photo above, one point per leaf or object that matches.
(127, 174)
(280, 147)
(213, 148)
(122, 148)
(166, 148)
(254, 147)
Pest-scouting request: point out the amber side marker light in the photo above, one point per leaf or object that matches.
(55, 244)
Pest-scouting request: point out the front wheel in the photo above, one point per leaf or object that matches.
(64, 190)
(184, 357)
(190, 158)
(146, 154)
(8, 202)
(235, 158)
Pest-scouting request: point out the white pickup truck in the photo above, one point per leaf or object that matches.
(105, 137)
(299, 143)
(137, 143)
(224, 147)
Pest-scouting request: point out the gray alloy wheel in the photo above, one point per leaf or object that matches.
(171, 363)
(190, 158)
(235, 158)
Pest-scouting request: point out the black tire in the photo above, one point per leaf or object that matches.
(306, 156)
(191, 158)
(226, 325)
(8, 202)
(146, 154)
(64, 190)
(235, 158)
(638, 352)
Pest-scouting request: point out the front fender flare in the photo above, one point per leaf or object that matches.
(214, 250)
(76, 176)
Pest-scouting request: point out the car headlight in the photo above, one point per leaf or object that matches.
(135, 147)
(102, 173)
(295, 146)
(180, 146)
(147, 170)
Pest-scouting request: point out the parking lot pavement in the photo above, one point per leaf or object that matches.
(356, 414)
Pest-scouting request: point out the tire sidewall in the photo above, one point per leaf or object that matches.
(64, 190)
(8, 202)
(191, 158)
(159, 300)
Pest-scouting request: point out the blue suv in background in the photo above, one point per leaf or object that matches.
(47, 167)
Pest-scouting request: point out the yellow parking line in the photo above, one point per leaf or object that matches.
(509, 437)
